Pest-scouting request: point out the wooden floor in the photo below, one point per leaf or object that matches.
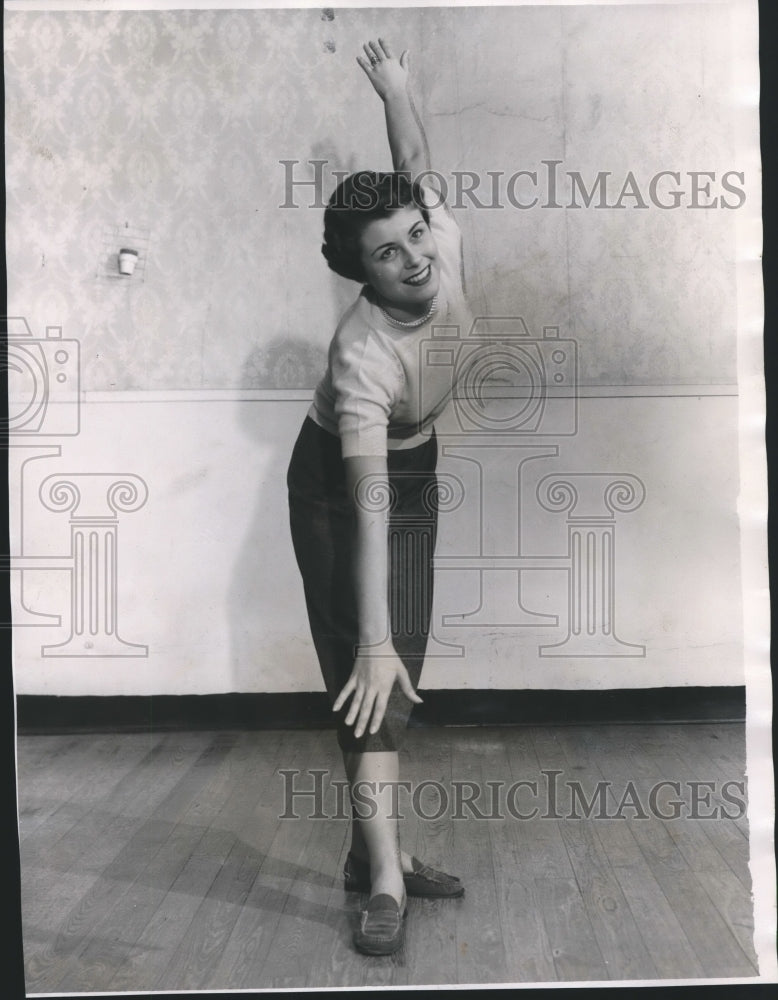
(159, 862)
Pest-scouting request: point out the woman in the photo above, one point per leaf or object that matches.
(369, 437)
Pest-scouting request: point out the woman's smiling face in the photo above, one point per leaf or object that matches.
(400, 259)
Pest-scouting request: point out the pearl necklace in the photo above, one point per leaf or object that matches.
(410, 324)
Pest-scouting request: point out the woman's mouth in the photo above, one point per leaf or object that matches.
(421, 278)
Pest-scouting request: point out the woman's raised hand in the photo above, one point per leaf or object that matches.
(386, 73)
(370, 684)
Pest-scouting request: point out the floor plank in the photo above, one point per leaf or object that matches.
(660, 928)
(431, 944)
(481, 949)
(305, 853)
(620, 941)
(735, 907)
(516, 850)
(573, 944)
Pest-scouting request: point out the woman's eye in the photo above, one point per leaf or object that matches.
(418, 233)
(388, 253)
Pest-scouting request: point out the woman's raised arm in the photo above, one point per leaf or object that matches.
(390, 78)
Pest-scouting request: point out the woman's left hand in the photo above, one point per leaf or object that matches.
(375, 672)
(386, 73)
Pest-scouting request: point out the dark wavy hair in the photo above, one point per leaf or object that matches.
(357, 200)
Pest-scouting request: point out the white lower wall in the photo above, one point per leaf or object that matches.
(207, 581)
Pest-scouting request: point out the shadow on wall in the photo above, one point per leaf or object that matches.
(288, 360)
(283, 363)
(270, 645)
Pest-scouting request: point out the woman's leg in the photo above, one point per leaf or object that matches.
(375, 833)
(359, 847)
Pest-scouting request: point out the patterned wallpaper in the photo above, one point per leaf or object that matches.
(164, 130)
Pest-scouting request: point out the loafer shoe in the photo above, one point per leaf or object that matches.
(382, 926)
(423, 881)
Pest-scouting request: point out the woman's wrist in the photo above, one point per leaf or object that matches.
(398, 94)
(382, 647)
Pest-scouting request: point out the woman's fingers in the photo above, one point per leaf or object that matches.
(346, 690)
(379, 710)
(356, 704)
(364, 713)
(407, 688)
(378, 51)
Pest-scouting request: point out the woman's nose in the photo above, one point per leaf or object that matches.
(412, 257)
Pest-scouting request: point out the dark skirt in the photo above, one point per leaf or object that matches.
(323, 533)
